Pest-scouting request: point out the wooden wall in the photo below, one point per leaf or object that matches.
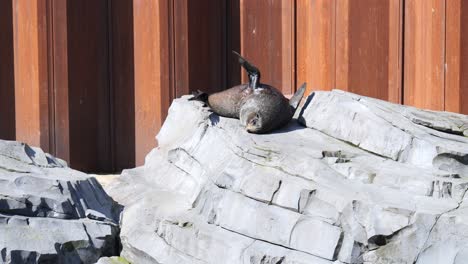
(350, 45)
(91, 80)
(89, 84)
(7, 77)
(267, 40)
(32, 121)
(456, 54)
(122, 84)
(412, 52)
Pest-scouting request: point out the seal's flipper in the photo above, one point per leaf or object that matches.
(297, 97)
(253, 72)
(249, 67)
(199, 96)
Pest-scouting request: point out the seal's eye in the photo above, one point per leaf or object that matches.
(253, 121)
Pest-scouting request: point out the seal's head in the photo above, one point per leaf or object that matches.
(254, 123)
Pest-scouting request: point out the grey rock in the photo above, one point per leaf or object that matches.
(364, 181)
(50, 213)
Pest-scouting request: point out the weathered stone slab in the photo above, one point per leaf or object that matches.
(364, 181)
(50, 213)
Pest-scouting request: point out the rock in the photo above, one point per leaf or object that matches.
(50, 213)
(364, 181)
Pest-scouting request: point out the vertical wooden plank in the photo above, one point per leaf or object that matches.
(181, 47)
(148, 117)
(7, 78)
(122, 74)
(463, 97)
(167, 55)
(424, 53)
(452, 57)
(316, 43)
(456, 75)
(265, 27)
(88, 82)
(31, 76)
(233, 74)
(395, 51)
(206, 45)
(199, 45)
(59, 75)
(368, 46)
(288, 45)
(342, 45)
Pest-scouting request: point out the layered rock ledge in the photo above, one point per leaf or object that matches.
(50, 213)
(359, 181)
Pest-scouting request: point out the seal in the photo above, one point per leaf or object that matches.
(260, 107)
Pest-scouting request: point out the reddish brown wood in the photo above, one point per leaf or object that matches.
(181, 46)
(424, 53)
(463, 97)
(31, 72)
(395, 51)
(368, 45)
(88, 83)
(167, 55)
(148, 116)
(123, 82)
(316, 43)
(206, 45)
(199, 45)
(7, 78)
(266, 34)
(452, 56)
(342, 45)
(58, 60)
(233, 76)
(456, 75)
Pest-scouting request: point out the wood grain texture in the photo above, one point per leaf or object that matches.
(395, 51)
(424, 54)
(266, 31)
(31, 72)
(368, 48)
(88, 82)
(122, 84)
(206, 45)
(234, 72)
(58, 49)
(456, 75)
(7, 74)
(181, 47)
(463, 97)
(342, 45)
(315, 34)
(167, 56)
(199, 45)
(147, 59)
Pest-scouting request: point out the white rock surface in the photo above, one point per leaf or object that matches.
(365, 181)
(50, 213)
